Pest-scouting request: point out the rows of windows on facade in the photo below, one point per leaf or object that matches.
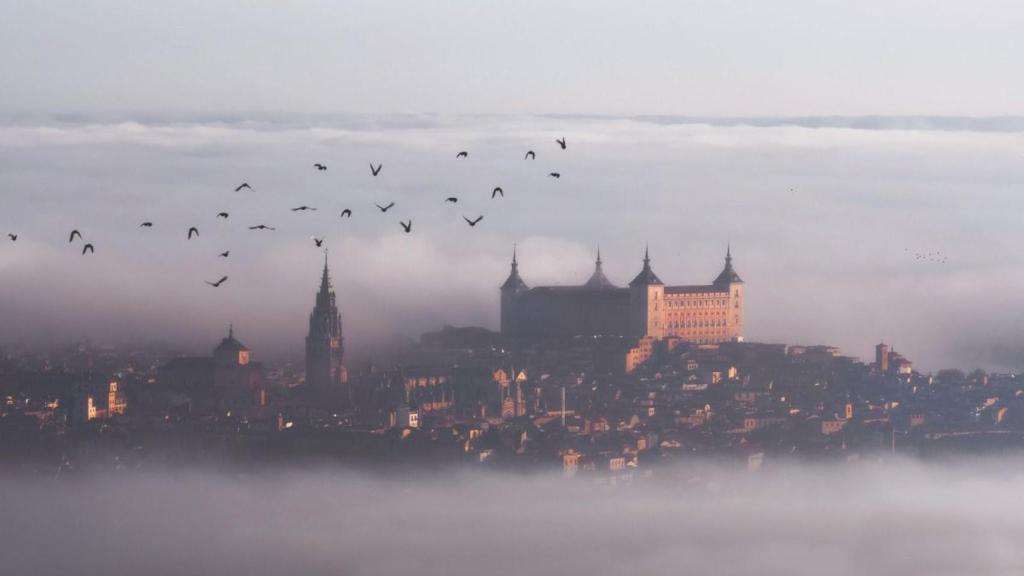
(645, 309)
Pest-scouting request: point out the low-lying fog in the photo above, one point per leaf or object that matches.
(892, 518)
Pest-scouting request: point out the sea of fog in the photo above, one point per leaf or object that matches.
(897, 517)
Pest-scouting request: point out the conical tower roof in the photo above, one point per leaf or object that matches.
(598, 280)
(728, 275)
(646, 277)
(514, 281)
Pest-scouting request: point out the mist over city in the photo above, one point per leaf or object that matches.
(591, 287)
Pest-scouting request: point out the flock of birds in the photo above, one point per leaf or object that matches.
(193, 232)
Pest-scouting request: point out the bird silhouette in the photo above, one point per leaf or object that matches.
(303, 209)
(225, 254)
(530, 155)
(218, 282)
(193, 231)
(318, 241)
(561, 142)
(320, 167)
(71, 237)
(223, 215)
(261, 227)
(451, 199)
(462, 154)
(555, 175)
(406, 227)
(13, 237)
(497, 191)
(346, 213)
(376, 170)
(384, 208)
(146, 225)
(88, 248)
(473, 222)
(243, 185)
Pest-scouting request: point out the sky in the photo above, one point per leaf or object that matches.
(797, 520)
(829, 142)
(693, 57)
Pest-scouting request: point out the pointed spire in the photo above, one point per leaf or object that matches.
(728, 275)
(231, 330)
(646, 276)
(598, 279)
(514, 282)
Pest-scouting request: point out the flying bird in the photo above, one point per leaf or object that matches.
(561, 142)
(555, 175)
(13, 237)
(146, 225)
(223, 215)
(318, 241)
(218, 282)
(530, 155)
(497, 191)
(320, 167)
(473, 222)
(243, 185)
(225, 253)
(71, 237)
(406, 227)
(303, 209)
(451, 199)
(261, 227)
(376, 170)
(88, 248)
(384, 208)
(462, 154)
(193, 231)
(346, 213)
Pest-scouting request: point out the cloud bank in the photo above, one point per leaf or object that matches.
(824, 224)
(896, 518)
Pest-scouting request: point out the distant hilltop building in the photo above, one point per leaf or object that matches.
(227, 380)
(325, 348)
(646, 309)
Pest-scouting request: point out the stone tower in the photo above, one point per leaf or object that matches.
(325, 348)
(647, 303)
(509, 290)
(730, 281)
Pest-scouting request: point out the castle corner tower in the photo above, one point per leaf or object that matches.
(729, 281)
(325, 373)
(512, 287)
(646, 303)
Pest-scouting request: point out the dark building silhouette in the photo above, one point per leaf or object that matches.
(647, 308)
(325, 372)
(227, 380)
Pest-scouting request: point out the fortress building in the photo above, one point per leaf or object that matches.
(646, 309)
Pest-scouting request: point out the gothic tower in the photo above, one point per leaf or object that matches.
(647, 303)
(509, 291)
(729, 281)
(324, 345)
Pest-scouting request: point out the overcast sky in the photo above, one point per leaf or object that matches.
(112, 113)
(704, 57)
